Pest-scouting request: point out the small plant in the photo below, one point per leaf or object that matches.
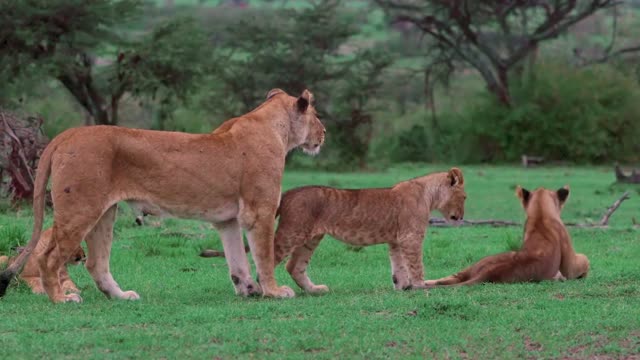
(11, 236)
(512, 242)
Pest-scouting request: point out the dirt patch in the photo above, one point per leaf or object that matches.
(531, 345)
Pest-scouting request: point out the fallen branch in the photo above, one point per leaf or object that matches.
(217, 253)
(634, 178)
(439, 222)
(605, 218)
(603, 223)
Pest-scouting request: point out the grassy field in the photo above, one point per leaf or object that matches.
(188, 309)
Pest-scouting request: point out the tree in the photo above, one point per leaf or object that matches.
(294, 49)
(494, 37)
(92, 49)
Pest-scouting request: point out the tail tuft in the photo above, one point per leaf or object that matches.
(5, 279)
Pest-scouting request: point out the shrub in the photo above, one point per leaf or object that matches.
(582, 115)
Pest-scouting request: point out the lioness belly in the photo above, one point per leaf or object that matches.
(217, 213)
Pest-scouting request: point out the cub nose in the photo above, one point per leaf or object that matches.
(454, 217)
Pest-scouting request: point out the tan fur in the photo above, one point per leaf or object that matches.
(230, 177)
(546, 253)
(397, 216)
(31, 273)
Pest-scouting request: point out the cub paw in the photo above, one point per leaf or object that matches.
(318, 290)
(72, 298)
(130, 295)
(280, 292)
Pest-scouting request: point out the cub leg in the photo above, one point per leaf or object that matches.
(239, 270)
(66, 282)
(297, 266)
(412, 253)
(399, 273)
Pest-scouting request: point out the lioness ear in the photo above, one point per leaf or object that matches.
(274, 92)
(523, 194)
(563, 194)
(304, 100)
(455, 176)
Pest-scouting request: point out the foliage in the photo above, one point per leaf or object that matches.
(188, 308)
(294, 49)
(586, 115)
(83, 45)
(494, 38)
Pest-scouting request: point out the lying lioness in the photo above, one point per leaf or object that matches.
(546, 253)
(397, 216)
(31, 274)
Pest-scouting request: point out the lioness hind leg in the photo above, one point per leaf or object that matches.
(297, 266)
(239, 270)
(99, 246)
(54, 257)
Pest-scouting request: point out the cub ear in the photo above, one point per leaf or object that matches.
(274, 92)
(304, 100)
(455, 177)
(523, 194)
(563, 194)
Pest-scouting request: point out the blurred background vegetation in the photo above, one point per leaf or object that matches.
(394, 81)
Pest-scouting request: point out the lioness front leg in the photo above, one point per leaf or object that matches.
(260, 234)
(297, 266)
(239, 270)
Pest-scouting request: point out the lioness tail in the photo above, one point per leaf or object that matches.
(39, 192)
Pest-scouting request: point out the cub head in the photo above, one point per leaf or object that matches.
(306, 130)
(78, 257)
(541, 199)
(453, 196)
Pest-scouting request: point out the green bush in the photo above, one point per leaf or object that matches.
(582, 115)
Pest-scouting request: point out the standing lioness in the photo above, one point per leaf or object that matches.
(230, 178)
(546, 253)
(397, 216)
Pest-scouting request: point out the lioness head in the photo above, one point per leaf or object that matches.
(306, 130)
(548, 200)
(453, 196)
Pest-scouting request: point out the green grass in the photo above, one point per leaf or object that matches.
(188, 309)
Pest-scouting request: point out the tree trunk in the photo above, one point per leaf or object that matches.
(430, 101)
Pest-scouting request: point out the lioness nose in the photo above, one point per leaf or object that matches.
(454, 217)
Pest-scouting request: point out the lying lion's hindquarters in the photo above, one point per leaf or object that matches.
(546, 253)
(230, 178)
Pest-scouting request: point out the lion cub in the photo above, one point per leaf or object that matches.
(31, 273)
(397, 216)
(546, 253)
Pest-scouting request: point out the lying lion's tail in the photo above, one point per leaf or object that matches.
(39, 197)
